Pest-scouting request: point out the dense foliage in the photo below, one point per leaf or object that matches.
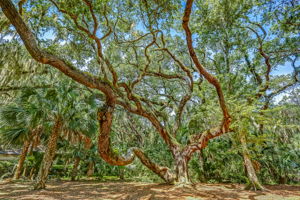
(198, 91)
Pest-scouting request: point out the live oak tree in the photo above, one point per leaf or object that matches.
(150, 58)
(106, 86)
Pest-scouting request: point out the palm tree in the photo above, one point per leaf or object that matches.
(79, 131)
(55, 106)
(20, 121)
(69, 113)
(49, 154)
(20, 125)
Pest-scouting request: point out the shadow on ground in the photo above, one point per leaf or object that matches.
(88, 190)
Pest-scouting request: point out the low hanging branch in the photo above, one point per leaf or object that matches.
(163, 172)
(105, 117)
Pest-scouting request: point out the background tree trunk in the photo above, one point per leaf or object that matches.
(75, 169)
(90, 171)
(66, 164)
(122, 173)
(21, 160)
(31, 174)
(48, 156)
(24, 171)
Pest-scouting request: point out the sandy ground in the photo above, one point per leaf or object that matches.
(144, 191)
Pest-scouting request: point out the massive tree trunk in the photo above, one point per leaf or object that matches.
(181, 165)
(182, 176)
(181, 156)
(90, 171)
(48, 156)
(21, 160)
(75, 169)
(251, 174)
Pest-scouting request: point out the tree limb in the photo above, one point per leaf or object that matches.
(47, 58)
(224, 127)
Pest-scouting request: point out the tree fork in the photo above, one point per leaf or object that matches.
(105, 117)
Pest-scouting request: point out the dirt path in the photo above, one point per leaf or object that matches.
(143, 191)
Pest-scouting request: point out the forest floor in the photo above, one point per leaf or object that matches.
(68, 190)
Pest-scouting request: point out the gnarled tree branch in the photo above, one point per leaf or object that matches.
(47, 58)
(224, 127)
(105, 117)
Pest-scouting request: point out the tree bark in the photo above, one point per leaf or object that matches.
(251, 174)
(48, 156)
(75, 169)
(90, 171)
(105, 117)
(182, 176)
(21, 160)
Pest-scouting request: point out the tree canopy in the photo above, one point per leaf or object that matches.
(159, 77)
